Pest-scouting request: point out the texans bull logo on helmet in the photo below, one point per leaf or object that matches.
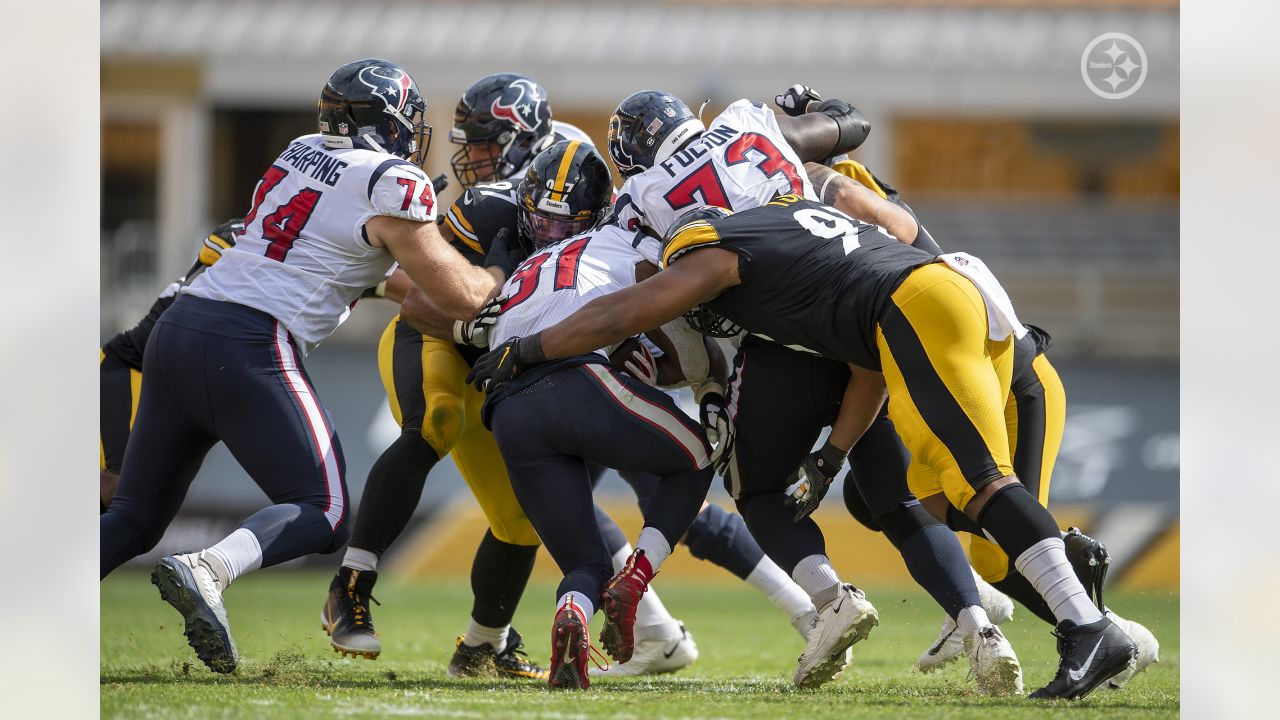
(519, 104)
(391, 86)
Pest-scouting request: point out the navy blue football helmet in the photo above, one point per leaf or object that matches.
(508, 111)
(647, 128)
(374, 104)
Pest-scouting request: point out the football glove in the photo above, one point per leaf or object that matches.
(641, 365)
(439, 183)
(795, 101)
(713, 412)
(810, 482)
(506, 361)
(475, 332)
(505, 252)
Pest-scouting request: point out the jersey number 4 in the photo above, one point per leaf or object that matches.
(705, 183)
(528, 273)
(280, 229)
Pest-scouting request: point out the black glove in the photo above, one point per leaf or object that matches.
(505, 252)
(795, 101)
(506, 361)
(439, 183)
(475, 332)
(714, 414)
(810, 482)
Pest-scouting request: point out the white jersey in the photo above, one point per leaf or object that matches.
(559, 279)
(303, 257)
(740, 162)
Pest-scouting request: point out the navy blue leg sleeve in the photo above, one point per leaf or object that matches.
(933, 556)
(614, 538)
(722, 538)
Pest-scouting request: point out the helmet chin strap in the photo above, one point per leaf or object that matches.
(702, 107)
(372, 143)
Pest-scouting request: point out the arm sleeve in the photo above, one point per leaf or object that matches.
(403, 191)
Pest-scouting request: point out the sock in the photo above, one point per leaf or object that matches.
(970, 619)
(650, 611)
(499, 574)
(237, 554)
(816, 576)
(933, 556)
(358, 559)
(494, 637)
(655, 547)
(958, 521)
(579, 599)
(1045, 565)
(721, 537)
(781, 590)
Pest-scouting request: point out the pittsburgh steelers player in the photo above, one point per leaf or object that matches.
(934, 334)
(120, 365)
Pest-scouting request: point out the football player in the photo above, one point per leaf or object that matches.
(933, 333)
(120, 365)
(746, 158)
(1037, 409)
(224, 361)
(633, 426)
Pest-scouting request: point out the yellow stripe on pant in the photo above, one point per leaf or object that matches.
(948, 384)
(447, 412)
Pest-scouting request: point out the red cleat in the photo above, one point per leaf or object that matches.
(619, 601)
(570, 648)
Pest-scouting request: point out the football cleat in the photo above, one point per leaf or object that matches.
(993, 663)
(619, 601)
(1089, 656)
(345, 617)
(188, 584)
(1090, 560)
(570, 648)
(838, 626)
(804, 621)
(950, 645)
(483, 661)
(668, 648)
(1148, 649)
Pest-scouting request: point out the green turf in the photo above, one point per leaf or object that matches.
(748, 655)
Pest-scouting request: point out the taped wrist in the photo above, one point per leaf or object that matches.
(854, 127)
(528, 350)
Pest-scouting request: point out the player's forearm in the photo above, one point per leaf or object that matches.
(396, 286)
(600, 323)
(425, 316)
(853, 199)
(863, 397)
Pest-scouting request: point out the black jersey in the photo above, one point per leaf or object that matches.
(132, 343)
(811, 276)
(477, 216)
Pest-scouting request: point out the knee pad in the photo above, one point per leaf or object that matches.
(713, 528)
(857, 505)
(905, 522)
(444, 422)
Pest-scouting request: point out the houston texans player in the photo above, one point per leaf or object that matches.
(224, 362)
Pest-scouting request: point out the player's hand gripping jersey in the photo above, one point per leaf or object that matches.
(559, 279)
(303, 257)
(740, 162)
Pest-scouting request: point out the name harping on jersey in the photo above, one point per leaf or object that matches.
(715, 137)
(315, 162)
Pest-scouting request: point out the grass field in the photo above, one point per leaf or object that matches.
(748, 655)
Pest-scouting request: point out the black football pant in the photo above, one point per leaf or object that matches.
(550, 431)
(221, 371)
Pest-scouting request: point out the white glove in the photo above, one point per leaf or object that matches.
(795, 101)
(642, 366)
(475, 332)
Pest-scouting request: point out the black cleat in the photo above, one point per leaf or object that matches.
(187, 583)
(1089, 656)
(346, 618)
(1090, 560)
(483, 661)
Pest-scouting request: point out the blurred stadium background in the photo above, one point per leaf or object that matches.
(980, 118)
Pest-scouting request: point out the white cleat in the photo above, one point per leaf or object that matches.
(662, 649)
(188, 584)
(804, 621)
(950, 646)
(837, 627)
(1148, 649)
(993, 663)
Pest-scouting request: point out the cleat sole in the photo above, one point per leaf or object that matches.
(563, 674)
(1005, 681)
(209, 638)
